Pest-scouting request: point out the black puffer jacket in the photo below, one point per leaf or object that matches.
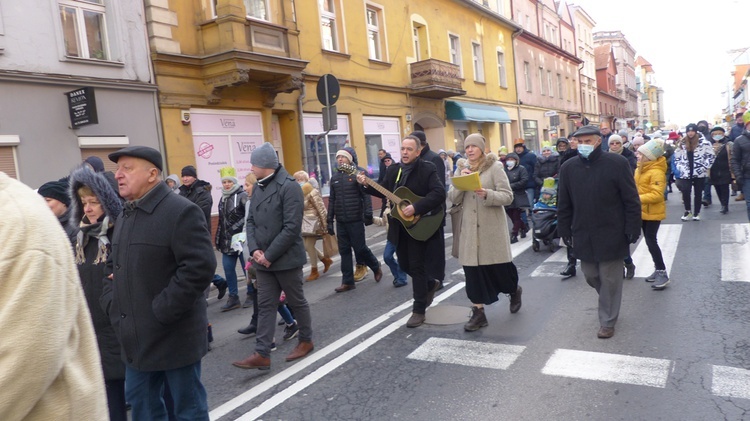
(200, 193)
(347, 200)
(92, 274)
(518, 178)
(231, 221)
(741, 157)
(719, 173)
(546, 167)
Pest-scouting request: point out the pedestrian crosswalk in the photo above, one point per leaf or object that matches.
(735, 252)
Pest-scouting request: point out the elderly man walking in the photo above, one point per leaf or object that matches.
(274, 240)
(162, 260)
(599, 213)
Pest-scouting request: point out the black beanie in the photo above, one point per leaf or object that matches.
(421, 136)
(96, 163)
(57, 190)
(189, 170)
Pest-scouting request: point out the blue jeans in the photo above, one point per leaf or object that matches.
(399, 277)
(746, 193)
(144, 390)
(229, 261)
(286, 314)
(531, 194)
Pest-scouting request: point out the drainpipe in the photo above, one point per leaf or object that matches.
(515, 79)
(583, 97)
(301, 124)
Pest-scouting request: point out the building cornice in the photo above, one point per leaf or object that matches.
(75, 80)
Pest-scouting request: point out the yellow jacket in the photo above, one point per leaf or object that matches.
(651, 178)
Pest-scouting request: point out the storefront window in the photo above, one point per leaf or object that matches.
(380, 133)
(531, 134)
(321, 150)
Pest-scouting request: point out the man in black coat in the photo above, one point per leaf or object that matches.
(162, 260)
(740, 161)
(422, 178)
(599, 213)
(436, 269)
(352, 209)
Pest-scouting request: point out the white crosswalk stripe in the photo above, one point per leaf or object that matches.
(731, 382)
(467, 353)
(552, 265)
(608, 367)
(668, 238)
(735, 252)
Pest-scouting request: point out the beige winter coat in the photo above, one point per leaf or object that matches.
(50, 360)
(484, 238)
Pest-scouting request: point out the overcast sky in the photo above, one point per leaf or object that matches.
(687, 44)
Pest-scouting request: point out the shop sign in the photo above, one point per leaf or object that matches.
(82, 107)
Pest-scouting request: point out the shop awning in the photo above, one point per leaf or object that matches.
(467, 111)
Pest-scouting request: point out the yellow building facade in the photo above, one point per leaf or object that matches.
(235, 73)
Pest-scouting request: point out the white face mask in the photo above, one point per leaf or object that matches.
(718, 137)
(510, 164)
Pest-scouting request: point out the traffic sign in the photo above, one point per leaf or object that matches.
(328, 90)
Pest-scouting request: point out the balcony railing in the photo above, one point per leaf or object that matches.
(436, 79)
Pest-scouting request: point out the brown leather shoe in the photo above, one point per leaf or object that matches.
(415, 320)
(301, 350)
(515, 300)
(345, 287)
(431, 293)
(327, 262)
(378, 275)
(605, 332)
(254, 361)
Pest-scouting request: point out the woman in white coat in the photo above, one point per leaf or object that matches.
(484, 243)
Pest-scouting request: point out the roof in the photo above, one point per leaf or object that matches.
(602, 55)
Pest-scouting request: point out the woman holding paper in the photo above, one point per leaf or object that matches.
(484, 244)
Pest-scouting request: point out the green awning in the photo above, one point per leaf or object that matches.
(468, 111)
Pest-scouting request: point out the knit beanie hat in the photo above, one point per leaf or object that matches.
(229, 173)
(548, 186)
(652, 150)
(96, 163)
(475, 139)
(623, 133)
(265, 157)
(637, 142)
(503, 150)
(189, 171)
(345, 154)
(615, 138)
(57, 190)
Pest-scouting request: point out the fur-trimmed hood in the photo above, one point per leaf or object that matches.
(489, 160)
(101, 186)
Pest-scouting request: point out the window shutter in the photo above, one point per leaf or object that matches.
(8, 161)
(102, 153)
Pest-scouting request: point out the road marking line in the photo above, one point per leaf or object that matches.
(608, 367)
(731, 382)
(734, 252)
(327, 368)
(467, 353)
(668, 238)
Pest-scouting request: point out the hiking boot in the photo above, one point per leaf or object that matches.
(291, 331)
(360, 271)
(513, 239)
(629, 271)
(515, 300)
(233, 302)
(686, 216)
(661, 281)
(651, 278)
(248, 301)
(477, 320)
(222, 288)
(569, 271)
(739, 198)
(415, 320)
(327, 262)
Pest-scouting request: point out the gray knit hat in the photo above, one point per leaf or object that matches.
(475, 139)
(265, 157)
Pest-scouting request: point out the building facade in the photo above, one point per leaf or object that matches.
(584, 29)
(624, 55)
(76, 81)
(610, 104)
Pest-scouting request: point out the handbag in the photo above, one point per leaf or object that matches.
(456, 212)
(330, 245)
(311, 226)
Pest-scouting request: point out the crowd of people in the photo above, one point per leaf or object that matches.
(144, 252)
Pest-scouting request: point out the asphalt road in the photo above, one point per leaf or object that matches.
(677, 354)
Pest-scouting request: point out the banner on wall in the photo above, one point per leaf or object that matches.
(224, 138)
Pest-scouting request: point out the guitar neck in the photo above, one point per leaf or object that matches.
(382, 190)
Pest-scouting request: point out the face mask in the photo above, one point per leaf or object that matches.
(301, 183)
(510, 164)
(718, 137)
(585, 150)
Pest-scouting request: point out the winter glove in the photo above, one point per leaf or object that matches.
(632, 238)
(330, 230)
(568, 241)
(368, 220)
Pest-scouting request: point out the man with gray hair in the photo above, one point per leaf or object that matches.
(274, 240)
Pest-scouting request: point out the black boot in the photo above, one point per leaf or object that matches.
(249, 330)
(724, 210)
(477, 320)
(569, 271)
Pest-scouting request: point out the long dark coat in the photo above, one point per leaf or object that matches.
(200, 193)
(231, 221)
(162, 261)
(720, 173)
(598, 205)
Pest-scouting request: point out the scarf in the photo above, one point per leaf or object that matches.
(474, 166)
(265, 181)
(404, 172)
(619, 152)
(96, 230)
(231, 191)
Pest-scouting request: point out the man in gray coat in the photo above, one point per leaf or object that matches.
(274, 240)
(162, 260)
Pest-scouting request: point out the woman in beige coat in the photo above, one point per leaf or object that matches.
(484, 243)
(314, 209)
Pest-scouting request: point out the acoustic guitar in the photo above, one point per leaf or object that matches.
(419, 227)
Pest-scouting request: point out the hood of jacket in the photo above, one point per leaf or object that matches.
(353, 153)
(198, 184)
(176, 180)
(102, 188)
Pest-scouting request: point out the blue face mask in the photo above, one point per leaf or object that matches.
(585, 150)
(718, 137)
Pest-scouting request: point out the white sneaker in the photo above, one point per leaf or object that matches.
(686, 216)
(697, 218)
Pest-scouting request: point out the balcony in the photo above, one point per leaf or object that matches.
(435, 79)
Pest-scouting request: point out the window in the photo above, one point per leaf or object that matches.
(419, 39)
(541, 80)
(84, 29)
(476, 52)
(455, 49)
(501, 69)
(550, 88)
(375, 41)
(530, 132)
(328, 24)
(560, 89)
(527, 75)
(257, 9)
(415, 36)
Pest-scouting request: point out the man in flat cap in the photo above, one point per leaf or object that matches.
(162, 260)
(599, 214)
